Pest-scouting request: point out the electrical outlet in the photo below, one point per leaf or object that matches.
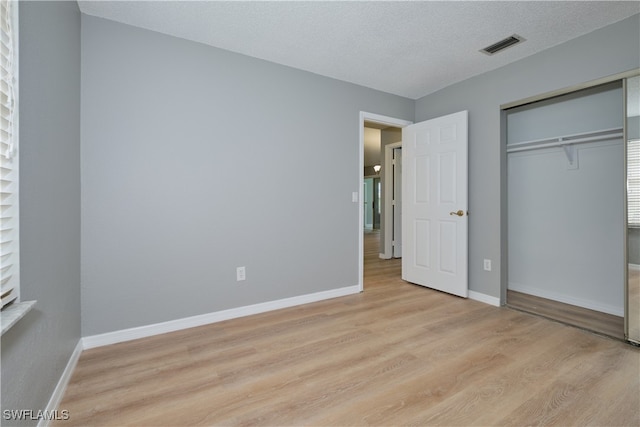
(241, 274)
(487, 265)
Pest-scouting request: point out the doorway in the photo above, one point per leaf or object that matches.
(396, 203)
(389, 131)
(434, 209)
(371, 202)
(391, 243)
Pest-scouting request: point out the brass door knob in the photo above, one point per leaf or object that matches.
(459, 213)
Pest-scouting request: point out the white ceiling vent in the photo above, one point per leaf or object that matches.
(502, 44)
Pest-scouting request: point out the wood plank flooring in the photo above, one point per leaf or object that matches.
(596, 321)
(396, 354)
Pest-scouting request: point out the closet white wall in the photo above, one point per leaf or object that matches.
(566, 207)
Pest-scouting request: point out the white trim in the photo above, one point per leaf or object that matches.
(383, 256)
(14, 312)
(61, 387)
(383, 120)
(487, 299)
(388, 207)
(634, 267)
(567, 140)
(377, 118)
(571, 89)
(205, 319)
(591, 305)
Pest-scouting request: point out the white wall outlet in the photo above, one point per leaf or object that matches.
(241, 274)
(487, 265)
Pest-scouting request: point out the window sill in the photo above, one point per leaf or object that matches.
(10, 315)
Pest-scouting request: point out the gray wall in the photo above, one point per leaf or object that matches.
(610, 50)
(195, 161)
(633, 127)
(633, 246)
(587, 110)
(36, 350)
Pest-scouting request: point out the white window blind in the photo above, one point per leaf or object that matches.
(9, 246)
(633, 182)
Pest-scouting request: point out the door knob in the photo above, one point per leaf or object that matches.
(459, 213)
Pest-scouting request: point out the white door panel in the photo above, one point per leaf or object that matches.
(434, 188)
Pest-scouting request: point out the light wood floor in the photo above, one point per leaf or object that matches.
(397, 354)
(596, 321)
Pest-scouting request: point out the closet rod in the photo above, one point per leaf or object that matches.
(562, 141)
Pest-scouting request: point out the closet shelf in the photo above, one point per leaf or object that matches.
(565, 141)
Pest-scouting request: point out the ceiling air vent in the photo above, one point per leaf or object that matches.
(502, 44)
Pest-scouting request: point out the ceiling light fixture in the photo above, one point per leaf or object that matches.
(376, 168)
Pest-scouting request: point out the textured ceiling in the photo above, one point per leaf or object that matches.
(405, 48)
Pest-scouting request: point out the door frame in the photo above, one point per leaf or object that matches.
(388, 205)
(384, 120)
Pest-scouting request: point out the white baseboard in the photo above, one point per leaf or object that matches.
(591, 305)
(205, 319)
(634, 267)
(61, 387)
(384, 256)
(487, 299)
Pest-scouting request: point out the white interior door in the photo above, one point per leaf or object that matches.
(397, 202)
(368, 198)
(434, 203)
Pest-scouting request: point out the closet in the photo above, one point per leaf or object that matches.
(566, 202)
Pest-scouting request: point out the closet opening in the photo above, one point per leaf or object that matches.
(565, 191)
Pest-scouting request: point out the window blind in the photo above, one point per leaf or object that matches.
(9, 246)
(633, 182)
